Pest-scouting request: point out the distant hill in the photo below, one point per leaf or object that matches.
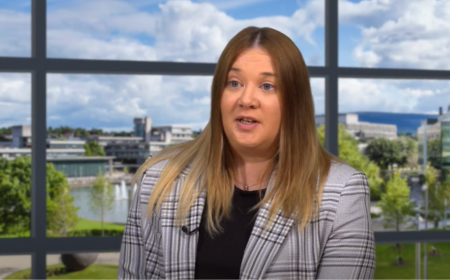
(406, 123)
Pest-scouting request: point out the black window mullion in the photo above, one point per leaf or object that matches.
(38, 132)
(331, 79)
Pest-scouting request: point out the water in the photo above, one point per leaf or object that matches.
(118, 213)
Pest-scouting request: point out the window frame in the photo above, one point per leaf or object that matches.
(39, 245)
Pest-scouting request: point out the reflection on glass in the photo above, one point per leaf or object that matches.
(193, 31)
(384, 126)
(393, 34)
(15, 28)
(15, 155)
(15, 266)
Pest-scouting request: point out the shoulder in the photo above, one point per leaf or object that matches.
(343, 179)
(153, 173)
(345, 185)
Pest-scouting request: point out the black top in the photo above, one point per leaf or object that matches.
(220, 257)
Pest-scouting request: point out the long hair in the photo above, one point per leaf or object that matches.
(302, 163)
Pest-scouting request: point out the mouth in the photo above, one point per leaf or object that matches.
(247, 120)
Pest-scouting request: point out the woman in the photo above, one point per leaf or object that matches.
(254, 195)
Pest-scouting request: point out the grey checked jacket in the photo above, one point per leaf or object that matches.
(338, 244)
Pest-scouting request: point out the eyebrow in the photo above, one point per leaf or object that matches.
(267, 74)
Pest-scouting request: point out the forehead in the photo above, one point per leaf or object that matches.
(254, 55)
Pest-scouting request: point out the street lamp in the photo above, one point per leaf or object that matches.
(425, 256)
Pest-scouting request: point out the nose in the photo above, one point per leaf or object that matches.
(248, 98)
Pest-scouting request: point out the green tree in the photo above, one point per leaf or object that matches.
(394, 203)
(15, 196)
(385, 152)
(436, 195)
(349, 152)
(93, 149)
(102, 197)
(409, 151)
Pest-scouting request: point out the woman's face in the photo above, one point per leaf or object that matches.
(250, 104)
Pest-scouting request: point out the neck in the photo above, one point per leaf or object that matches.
(249, 171)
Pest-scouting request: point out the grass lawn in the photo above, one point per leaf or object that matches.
(438, 267)
(95, 271)
(87, 224)
(82, 225)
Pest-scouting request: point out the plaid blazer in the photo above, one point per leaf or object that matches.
(338, 244)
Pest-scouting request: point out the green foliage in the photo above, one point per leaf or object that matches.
(62, 131)
(436, 195)
(394, 202)
(409, 151)
(15, 198)
(93, 149)
(434, 154)
(385, 152)
(349, 152)
(102, 197)
(96, 232)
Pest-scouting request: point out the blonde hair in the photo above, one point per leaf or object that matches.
(302, 163)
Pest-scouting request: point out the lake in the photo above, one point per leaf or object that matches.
(119, 211)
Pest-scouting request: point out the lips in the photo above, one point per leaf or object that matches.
(247, 120)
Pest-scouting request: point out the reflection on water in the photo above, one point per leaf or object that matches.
(118, 213)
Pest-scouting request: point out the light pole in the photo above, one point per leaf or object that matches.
(425, 188)
(425, 256)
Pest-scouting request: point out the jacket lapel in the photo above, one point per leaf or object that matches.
(263, 245)
(180, 242)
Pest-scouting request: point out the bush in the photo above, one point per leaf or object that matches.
(95, 232)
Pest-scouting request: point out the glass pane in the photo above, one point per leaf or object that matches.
(382, 124)
(394, 34)
(15, 155)
(15, 28)
(12, 267)
(101, 128)
(192, 31)
(83, 265)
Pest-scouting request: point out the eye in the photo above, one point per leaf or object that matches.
(234, 84)
(267, 87)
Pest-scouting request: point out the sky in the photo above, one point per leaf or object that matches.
(372, 33)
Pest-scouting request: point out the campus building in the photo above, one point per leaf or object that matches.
(363, 131)
(437, 128)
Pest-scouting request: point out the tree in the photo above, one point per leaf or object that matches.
(395, 203)
(15, 196)
(102, 197)
(409, 151)
(349, 152)
(436, 195)
(93, 149)
(385, 152)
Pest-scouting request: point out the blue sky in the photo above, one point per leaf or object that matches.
(372, 33)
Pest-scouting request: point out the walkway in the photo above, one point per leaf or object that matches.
(11, 264)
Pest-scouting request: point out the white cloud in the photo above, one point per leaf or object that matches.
(393, 35)
(400, 33)
(400, 96)
(15, 99)
(180, 31)
(15, 33)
